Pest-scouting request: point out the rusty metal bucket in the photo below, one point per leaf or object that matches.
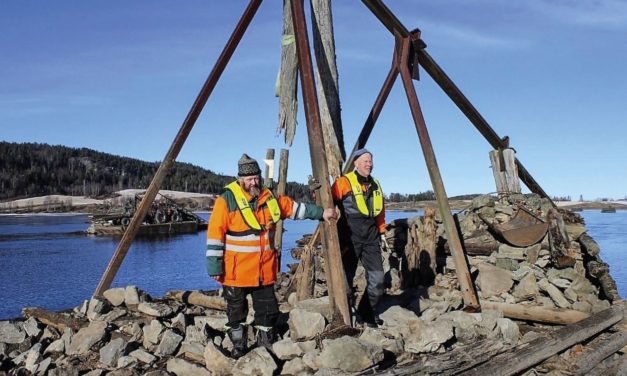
(523, 230)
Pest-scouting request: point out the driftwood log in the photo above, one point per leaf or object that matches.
(198, 298)
(420, 250)
(536, 351)
(305, 275)
(505, 171)
(597, 350)
(59, 321)
(534, 313)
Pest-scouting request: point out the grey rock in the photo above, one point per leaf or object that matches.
(183, 367)
(170, 341)
(112, 351)
(31, 327)
(152, 333)
(304, 324)
(143, 356)
(493, 281)
(286, 349)
(87, 337)
(349, 354)
(11, 333)
(115, 296)
(131, 296)
(216, 362)
(555, 294)
(428, 337)
(295, 367)
(214, 322)
(155, 309)
(319, 305)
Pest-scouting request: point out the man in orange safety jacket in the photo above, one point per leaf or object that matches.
(240, 250)
(362, 230)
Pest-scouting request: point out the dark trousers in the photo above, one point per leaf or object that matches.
(370, 256)
(264, 303)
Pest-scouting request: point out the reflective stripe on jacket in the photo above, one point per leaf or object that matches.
(362, 226)
(246, 255)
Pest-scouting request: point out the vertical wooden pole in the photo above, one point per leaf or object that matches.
(269, 173)
(318, 160)
(280, 190)
(505, 171)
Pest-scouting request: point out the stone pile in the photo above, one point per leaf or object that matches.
(425, 330)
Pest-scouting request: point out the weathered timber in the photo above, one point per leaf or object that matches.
(328, 84)
(451, 362)
(589, 245)
(337, 295)
(601, 271)
(598, 350)
(427, 241)
(288, 83)
(268, 176)
(505, 171)
(280, 190)
(561, 254)
(198, 298)
(534, 313)
(56, 320)
(534, 352)
(305, 277)
(617, 366)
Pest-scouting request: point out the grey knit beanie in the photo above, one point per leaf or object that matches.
(247, 166)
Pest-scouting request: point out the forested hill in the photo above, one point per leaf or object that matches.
(31, 169)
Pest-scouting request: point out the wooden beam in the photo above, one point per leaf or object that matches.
(56, 320)
(198, 298)
(536, 351)
(534, 313)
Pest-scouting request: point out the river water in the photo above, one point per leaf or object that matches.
(47, 260)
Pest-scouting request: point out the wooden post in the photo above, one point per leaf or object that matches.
(535, 313)
(269, 173)
(328, 85)
(280, 190)
(319, 162)
(505, 171)
(287, 90)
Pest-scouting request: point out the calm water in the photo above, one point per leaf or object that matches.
(48, 262)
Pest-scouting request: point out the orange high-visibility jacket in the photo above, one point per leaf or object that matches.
(239, 255)
(343, 194)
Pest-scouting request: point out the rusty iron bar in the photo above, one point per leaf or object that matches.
(371, 120)
(461, 263)
(392, 23)
(318, 159)
(460, 100)
(175, 148)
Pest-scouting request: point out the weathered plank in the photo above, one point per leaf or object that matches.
(534, 352)
(505, 171)
(598, 350)
(56, 320)
(288, 84)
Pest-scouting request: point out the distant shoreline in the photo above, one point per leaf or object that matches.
(201, 202)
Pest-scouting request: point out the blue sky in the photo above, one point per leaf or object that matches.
(120, 77)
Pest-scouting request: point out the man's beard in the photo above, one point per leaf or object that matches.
(254, 191)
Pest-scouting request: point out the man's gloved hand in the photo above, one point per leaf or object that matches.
(385, 247)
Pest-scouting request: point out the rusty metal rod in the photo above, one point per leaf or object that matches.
(461, 263)
(460, 100)
(175, 148)
(392, 23)
(318, 159)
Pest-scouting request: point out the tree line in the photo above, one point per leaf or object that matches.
(33, 169)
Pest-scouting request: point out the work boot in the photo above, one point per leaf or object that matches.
(238, 336)
(265, 336)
